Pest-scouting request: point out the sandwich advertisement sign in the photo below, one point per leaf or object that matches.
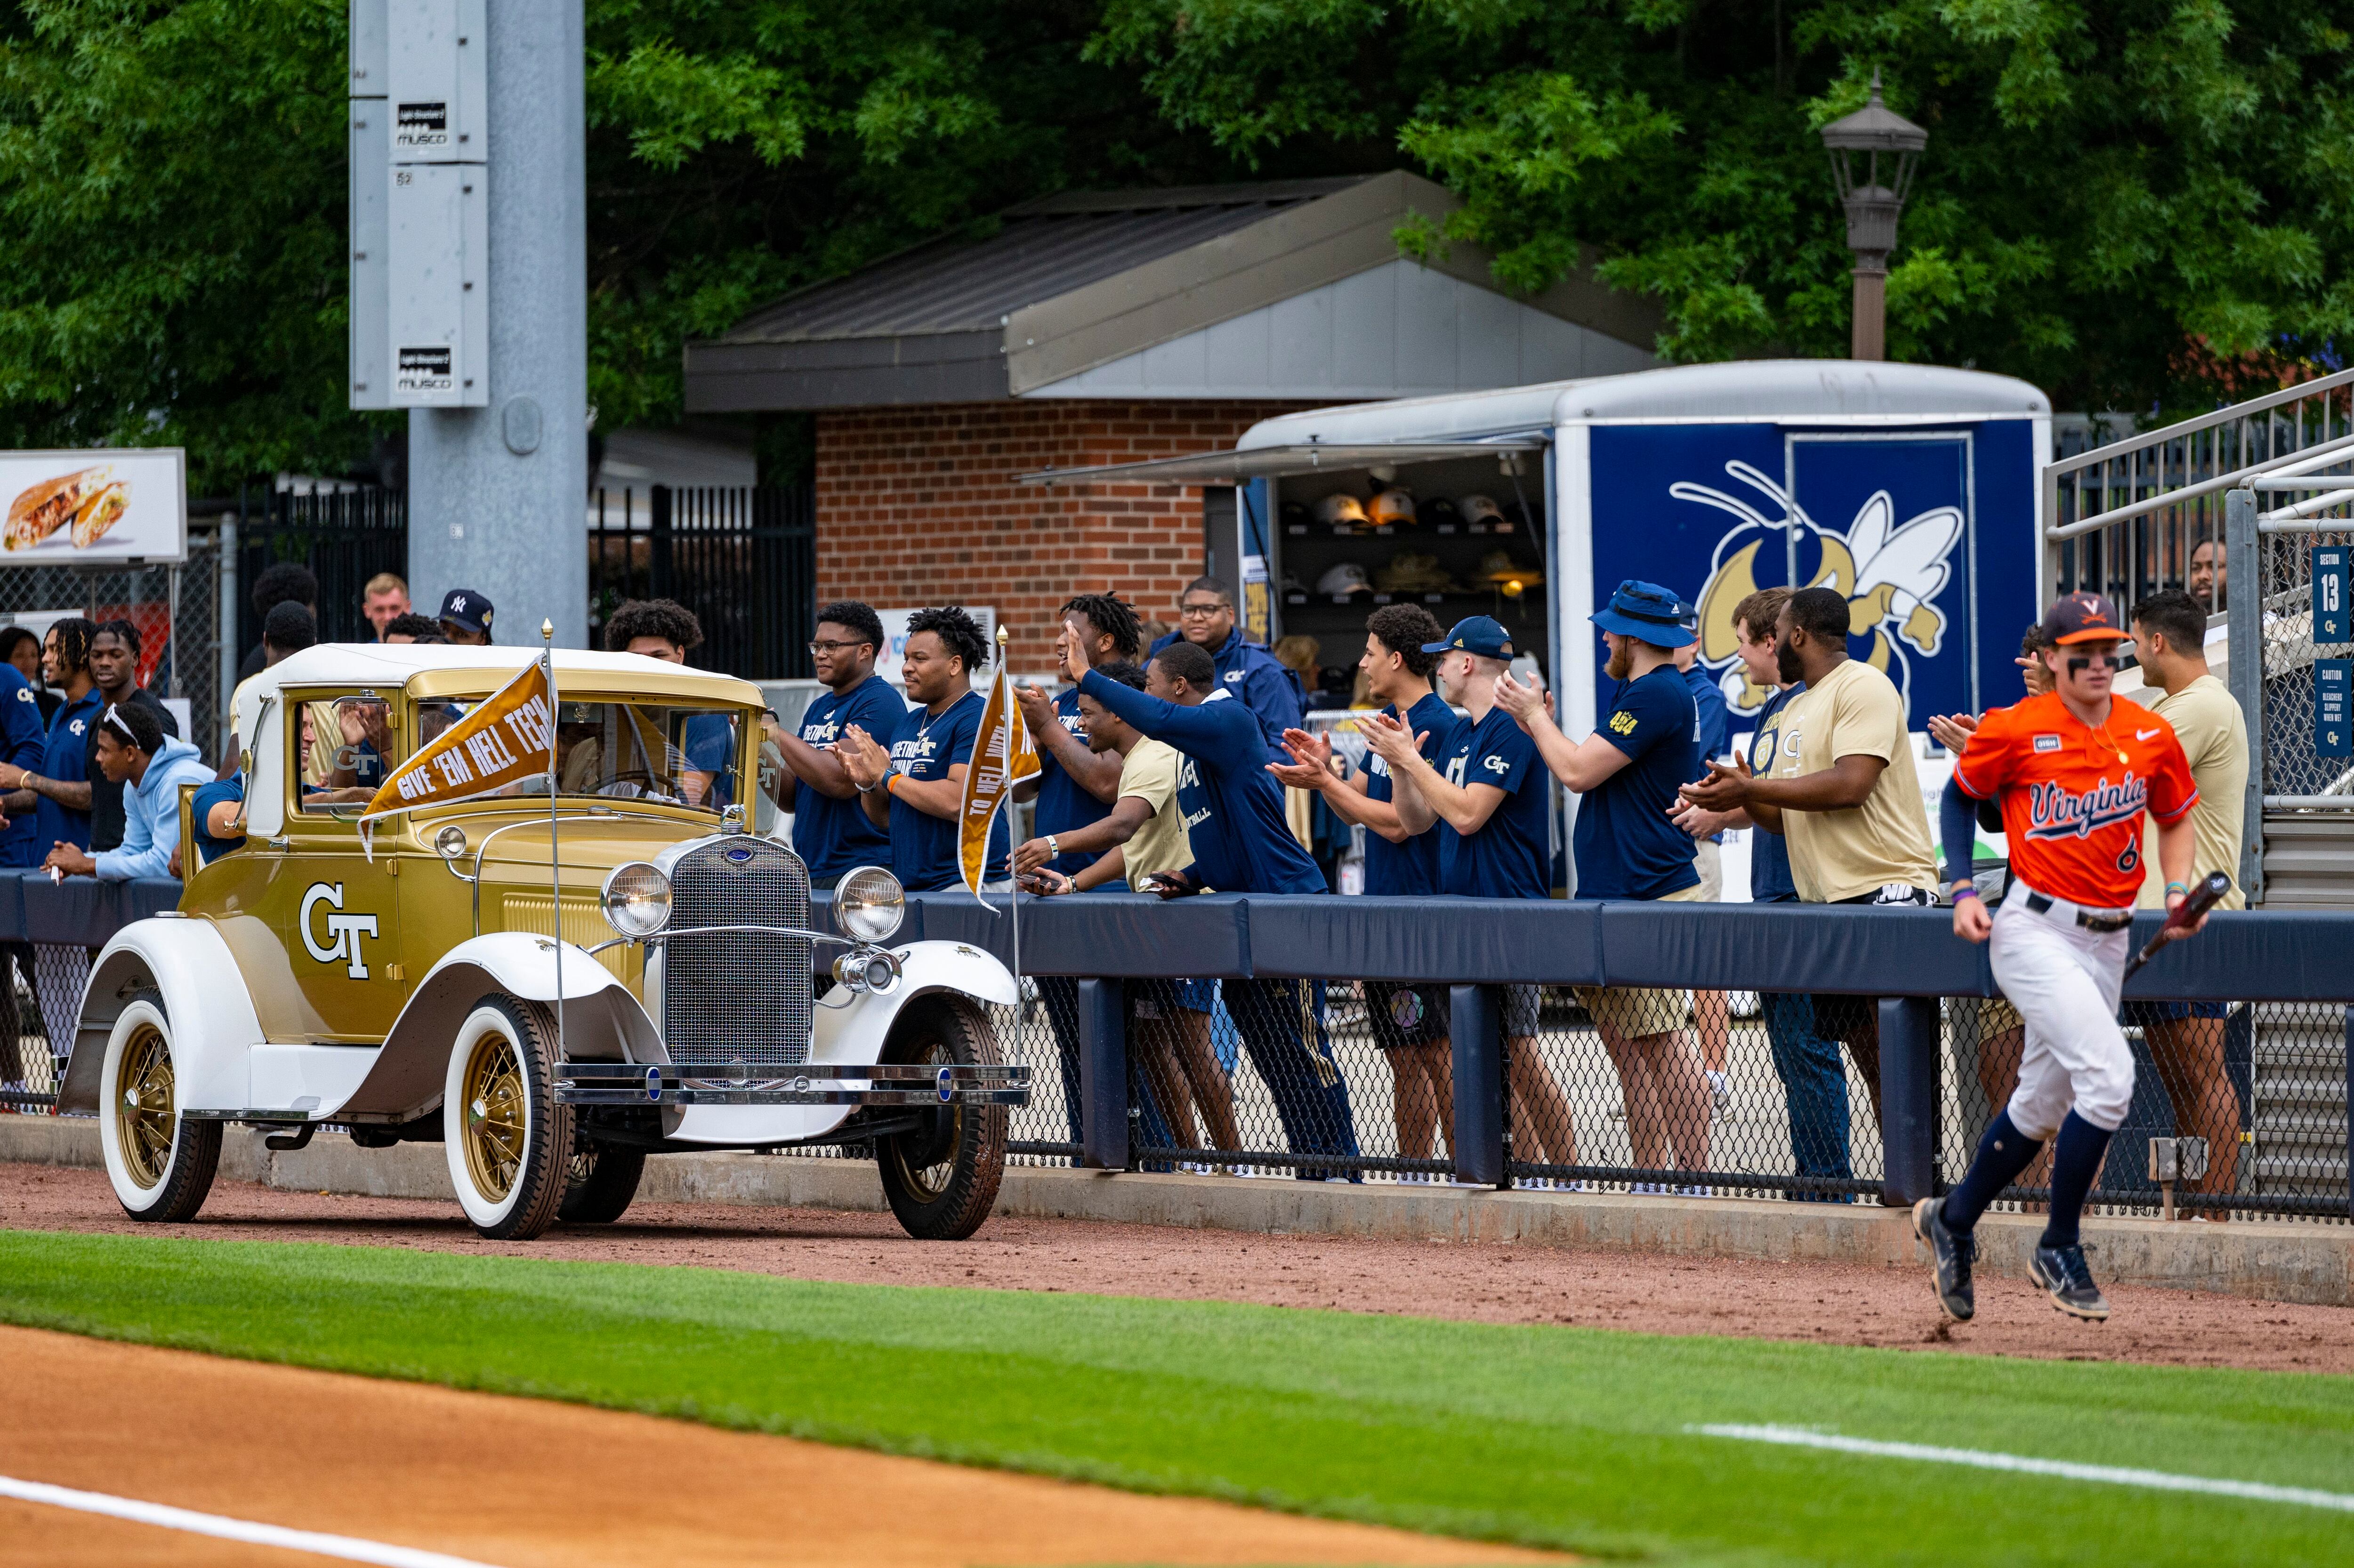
(94, 506)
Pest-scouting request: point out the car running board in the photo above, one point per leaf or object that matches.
(735, 1083)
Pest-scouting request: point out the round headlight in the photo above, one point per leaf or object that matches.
(636, 899)
(450, 841)
(868, 904)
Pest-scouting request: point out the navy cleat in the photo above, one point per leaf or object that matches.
(2065, 1275)
(1950, 1258)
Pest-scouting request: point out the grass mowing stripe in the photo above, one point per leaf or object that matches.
(1978, 1458)
(346, 1548)
(1557, 1436)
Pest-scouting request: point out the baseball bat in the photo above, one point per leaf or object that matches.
(2203, 897)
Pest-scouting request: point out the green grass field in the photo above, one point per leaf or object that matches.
(1557, 1436)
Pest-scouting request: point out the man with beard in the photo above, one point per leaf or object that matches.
(1844, 795)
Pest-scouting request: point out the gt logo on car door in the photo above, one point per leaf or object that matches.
(343, 931)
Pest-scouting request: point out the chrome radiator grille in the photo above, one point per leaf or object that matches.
(737, 996)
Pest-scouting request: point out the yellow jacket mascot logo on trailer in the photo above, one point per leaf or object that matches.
(1890, 574)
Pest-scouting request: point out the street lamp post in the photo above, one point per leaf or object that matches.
(1872, 133)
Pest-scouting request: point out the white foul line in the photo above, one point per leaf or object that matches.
(350, 1548)
(1980, 1459)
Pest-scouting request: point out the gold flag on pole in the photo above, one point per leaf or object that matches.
(509, 736)
(1002, 756)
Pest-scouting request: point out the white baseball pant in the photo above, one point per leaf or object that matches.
(2064, 981)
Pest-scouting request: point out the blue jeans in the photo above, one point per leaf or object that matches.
(1282, 1027)
(1814, 1088)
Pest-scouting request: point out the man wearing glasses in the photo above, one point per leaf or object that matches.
(1272, 690)
(832, 831)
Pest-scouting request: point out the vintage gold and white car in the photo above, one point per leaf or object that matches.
(406, 989)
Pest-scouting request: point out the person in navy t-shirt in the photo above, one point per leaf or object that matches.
(1235, 825)
(1410, 1020)
(1626, 846)
(666, 630)
(916, 787)
(832, 832)
(56, 790)
(1488, 797)
(24, 746)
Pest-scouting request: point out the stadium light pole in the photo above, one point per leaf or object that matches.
(498, 494)
(1872, 133)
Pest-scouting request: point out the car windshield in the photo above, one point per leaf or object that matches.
(675, 754)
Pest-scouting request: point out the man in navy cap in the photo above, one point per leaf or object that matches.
(1628, 770)
(1486, 791)
(466, 618)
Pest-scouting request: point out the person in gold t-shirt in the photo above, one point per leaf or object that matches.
(1844, 793)
(2185, 1038)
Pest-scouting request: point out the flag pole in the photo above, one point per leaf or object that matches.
(1013, 881)
(554, 860)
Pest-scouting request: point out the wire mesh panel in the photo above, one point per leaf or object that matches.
(2298, 759)
(40, 1002)
(175, 610)
(1699, 1093)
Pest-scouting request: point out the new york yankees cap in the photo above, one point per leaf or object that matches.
(2083, 618)
(466, 609)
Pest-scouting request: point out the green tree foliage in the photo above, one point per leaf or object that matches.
(2129, 202)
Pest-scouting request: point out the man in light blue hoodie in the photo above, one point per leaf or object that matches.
(133, 751)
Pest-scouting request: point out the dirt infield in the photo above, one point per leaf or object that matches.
(1824, 1302)
(516, 1481)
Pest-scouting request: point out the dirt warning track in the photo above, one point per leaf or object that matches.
(526, 1484)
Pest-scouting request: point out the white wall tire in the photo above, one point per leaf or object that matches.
(160, 1164)
(507, 1142)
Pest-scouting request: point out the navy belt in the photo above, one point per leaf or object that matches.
(2040, 905)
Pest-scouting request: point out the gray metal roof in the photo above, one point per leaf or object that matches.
(1041, 250)
(1070, 282)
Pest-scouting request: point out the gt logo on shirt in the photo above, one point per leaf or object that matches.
(1622, 723)
(1495, 764)
(24, 694)
(820, 731)
(343, 931)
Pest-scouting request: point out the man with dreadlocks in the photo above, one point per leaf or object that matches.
(58, 792)
(1076, 788)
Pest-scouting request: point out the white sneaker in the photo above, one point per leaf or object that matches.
(1718, 1097)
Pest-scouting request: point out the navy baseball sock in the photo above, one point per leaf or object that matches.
(2075, 1160)
(2003, 1152)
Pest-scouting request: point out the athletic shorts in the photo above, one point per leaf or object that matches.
(1407, 1013)
(1632, 1011)
(2142, 1015)
(1522, 1004)
(1157, 998)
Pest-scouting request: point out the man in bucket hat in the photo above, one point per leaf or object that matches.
(1628, 847)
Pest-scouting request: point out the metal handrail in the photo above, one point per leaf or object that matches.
(2235, 479)
(2191, 427)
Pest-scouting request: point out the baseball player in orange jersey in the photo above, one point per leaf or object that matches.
(2073, 769)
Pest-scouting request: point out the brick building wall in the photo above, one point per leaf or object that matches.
(918, 505)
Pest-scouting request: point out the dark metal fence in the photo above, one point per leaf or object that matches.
(343, 536)
(743, 560)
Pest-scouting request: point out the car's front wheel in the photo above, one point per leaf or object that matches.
(599, 1183)
(509, 1144)
(161, 1164)
(941, 1178)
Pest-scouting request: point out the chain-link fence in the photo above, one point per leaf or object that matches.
(2305, 754)
(1654, 1091)
(174, 610)
(39, 1002)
